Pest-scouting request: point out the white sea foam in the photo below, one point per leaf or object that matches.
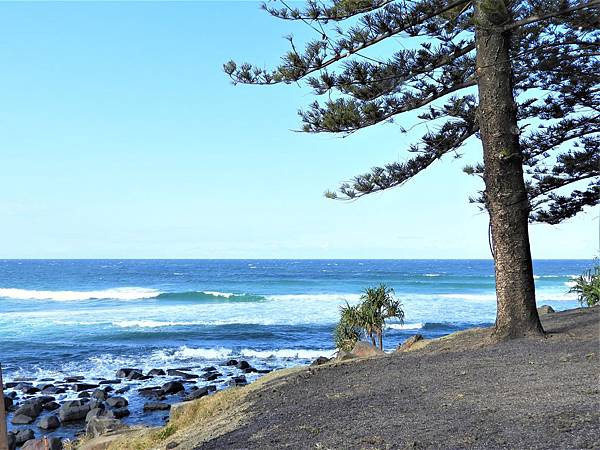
(124, 293)
(315, 297)
(186, 353)
(406, 326)
(432, 274)
(286, 354)
(151, 324)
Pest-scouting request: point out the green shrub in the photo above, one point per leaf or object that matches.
(587, 287)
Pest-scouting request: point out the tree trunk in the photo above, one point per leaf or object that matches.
(380, 336)
(505, 195)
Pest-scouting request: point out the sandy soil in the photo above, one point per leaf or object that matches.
(457, 392)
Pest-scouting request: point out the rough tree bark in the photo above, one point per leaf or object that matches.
(505, 194)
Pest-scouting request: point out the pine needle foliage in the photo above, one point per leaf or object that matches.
(554, 58)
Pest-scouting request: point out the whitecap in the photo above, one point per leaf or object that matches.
(124, 293)
(286, 353)
(406, 326)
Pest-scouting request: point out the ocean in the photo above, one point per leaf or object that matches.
(90, 317)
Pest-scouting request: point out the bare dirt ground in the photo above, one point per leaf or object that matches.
(457, 392)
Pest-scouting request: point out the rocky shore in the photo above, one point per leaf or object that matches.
(60, 410)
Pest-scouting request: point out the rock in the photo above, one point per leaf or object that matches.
(231, 362)
(84, 395)
(21, 385)
(172, 387)
(8, 403)
(10, 385)
(344, 355)
(95, 412)
(264, 370)
(364, 349)
(43, 386)
(320, 361)
(47, 443)
(21, 419)
(250, 370)
(172, 445)
(211, 376)
(12, 441)
(110, 382)
(180, 373)
(99, 394)
(73, 410)
(54, 390)
(211, 388)
(238, 381)
(30, 390)
(545, 309)
(124, 373)
(156, 406)
(117, 402)
(123, 390)
(22, 436)
(209, 369)
(74, 379)
(51, 406)
(198, 393)
(79, 387)
(117, 413)
(49, 423)
(102, 425)
(154, 391)
(137, 375)
(12, 395)
(243, 365)
(157, 373)
(30, 408)
(409, 343)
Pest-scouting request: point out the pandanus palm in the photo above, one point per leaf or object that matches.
(368, 317)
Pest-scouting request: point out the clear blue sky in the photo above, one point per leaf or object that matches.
(120, 136)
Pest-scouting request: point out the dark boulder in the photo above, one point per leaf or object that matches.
(96, 412)
(117, 402)
(123, 390)
(98, 426)
(209, 369)
(22, 436)
(79, 387)
(117, 413)
(49, 423)
(124, 373)
(73, 410)
(196, 394)
(238, 381)
(84, 394)
(54, 390)
(110, 382)
(137, 375)
(30, 390)
(99, 394)
(31, 409)
(51, 406)
(210, 376)
(157, 373)
(172, 387)
(8, 403)
(250, 370)
(74, 379)
(154, 391)
(156, 406)
(231, 362)
(12, 441)
(180, 373)
(43, 386)
(243, 365)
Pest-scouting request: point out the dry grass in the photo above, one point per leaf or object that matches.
(198, 421)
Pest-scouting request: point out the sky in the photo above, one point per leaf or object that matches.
(121, 137)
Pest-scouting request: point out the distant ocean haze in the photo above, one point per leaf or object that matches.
(59, 317)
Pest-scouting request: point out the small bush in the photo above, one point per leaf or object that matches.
(587, 287)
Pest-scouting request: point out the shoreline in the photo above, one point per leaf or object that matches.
(459, 391)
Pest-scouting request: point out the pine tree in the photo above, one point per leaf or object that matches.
(521, 76)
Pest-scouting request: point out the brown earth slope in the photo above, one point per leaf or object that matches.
(457, 392)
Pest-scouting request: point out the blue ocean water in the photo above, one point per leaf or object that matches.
(59, 317)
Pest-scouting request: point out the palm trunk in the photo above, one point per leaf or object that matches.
(380, 335)
(505, 194)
